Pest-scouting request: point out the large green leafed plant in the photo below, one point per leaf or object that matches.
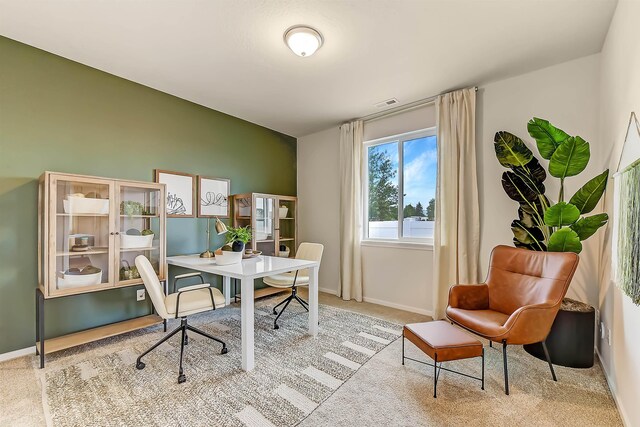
(542, 225)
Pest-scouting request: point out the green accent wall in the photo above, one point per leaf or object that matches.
(58, 115)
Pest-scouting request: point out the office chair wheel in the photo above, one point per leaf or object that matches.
(275, 326)
(225, 350)
(274, 311)
(182, 378)
(140, 365)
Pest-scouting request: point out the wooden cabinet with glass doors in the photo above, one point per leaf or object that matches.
(91, 230)
(273, 220)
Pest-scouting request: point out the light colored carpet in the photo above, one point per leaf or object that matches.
(294, 372)
(381, 392)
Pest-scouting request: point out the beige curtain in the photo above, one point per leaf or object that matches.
(457, 226)
(351, 135)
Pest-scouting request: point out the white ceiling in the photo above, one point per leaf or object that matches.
(229, 54)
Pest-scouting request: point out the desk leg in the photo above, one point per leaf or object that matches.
(247, 315)
(313, 301)
(226, 289)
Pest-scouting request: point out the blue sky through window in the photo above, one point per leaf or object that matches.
(420, 168)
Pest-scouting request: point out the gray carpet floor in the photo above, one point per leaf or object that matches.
(96, 384)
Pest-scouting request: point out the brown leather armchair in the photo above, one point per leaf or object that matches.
(519, 301)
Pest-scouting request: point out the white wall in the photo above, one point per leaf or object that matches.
(620, 95)
(319, 200)
(565, 94)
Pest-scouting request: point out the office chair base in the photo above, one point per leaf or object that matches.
(184, 340)
(293, 296)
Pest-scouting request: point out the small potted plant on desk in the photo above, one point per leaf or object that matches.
(232, 251)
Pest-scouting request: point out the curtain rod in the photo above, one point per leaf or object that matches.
(404, 108)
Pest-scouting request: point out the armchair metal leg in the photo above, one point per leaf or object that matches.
(546, 355)
(139, 363)
(506, 369)
(211, 337)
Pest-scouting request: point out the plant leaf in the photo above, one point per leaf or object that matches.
(517, 189)
(532, 176)
(547, 136)
(570, 158)
(560, 214)
(526, 216)
(588, 196)
(526, 235)
(587, 226)
(565, 240)
(511, 150)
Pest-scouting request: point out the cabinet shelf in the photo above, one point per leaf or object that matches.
(62, 214)
(286, 239)
(150, 248)
(94, 251)
(139, 216)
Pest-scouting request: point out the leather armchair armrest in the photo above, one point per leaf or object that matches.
(469, 297)
(531, 323)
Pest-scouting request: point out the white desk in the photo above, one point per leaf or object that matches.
(246, 272)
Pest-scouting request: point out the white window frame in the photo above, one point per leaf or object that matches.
(405, 242)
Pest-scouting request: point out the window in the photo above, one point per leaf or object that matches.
(400, 187)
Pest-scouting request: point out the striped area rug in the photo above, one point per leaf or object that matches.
(97, 384)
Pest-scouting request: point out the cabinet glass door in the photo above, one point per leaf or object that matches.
(287, 227)
(83, 240)
(140, 229)
(264, 229)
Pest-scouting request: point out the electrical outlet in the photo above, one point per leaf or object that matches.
(609, 336)
(141, 294)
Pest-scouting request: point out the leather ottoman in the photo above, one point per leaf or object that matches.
(442, 342)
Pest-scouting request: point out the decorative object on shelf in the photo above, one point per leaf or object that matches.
(127, 272)
(180, 193)
(542, 225)
(77, 277)
(284, 251)
(130, 208)
(221, 228)
(79, 203)
(283, 210)
(134, 238)
(238, 237)
(627, 214)
(213, 197)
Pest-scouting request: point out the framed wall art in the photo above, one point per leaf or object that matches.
(213, 197)
(180, 193)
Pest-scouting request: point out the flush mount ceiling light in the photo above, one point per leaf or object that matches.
(303, 40)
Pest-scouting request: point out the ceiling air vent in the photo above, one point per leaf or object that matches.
(388, 103)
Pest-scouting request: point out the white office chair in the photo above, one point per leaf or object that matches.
(293, 279)
(187, 300)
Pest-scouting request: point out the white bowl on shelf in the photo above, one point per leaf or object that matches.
(131, 242)
(284, 254)
(85, 205)
(228, 258)
(282, 211)
(77, 280)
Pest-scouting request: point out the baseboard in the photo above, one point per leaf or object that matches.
(621, 410)
(329, 291)
(398, 306)
(18, 353)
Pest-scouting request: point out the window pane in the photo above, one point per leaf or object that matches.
(383, 191)
(420, 158)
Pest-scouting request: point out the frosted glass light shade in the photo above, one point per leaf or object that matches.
(303, 41)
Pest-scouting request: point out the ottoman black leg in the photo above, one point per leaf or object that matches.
(435, 376)
(482, 369)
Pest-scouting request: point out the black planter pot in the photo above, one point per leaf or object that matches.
(237, 246)
(571, 340)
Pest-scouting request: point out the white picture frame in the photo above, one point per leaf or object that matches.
(213, 197)
(180, 193)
